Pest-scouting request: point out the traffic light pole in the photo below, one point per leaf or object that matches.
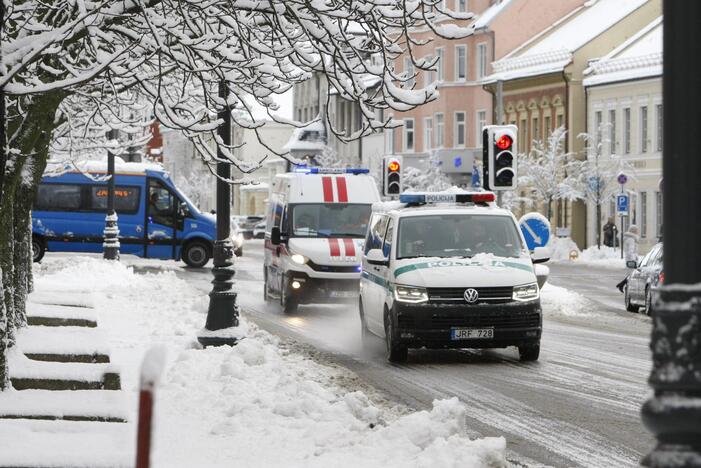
(110, 245)
(673, 414)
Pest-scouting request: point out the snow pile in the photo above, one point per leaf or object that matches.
(594, 256)
(557, 301)
(257, 403)
(560, 248)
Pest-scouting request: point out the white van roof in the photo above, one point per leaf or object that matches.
(326, 188)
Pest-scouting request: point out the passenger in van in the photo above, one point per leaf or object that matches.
(304, 223)
(161, 213)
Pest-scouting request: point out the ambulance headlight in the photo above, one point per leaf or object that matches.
(410, 294)
(299, 259)
(526, 292)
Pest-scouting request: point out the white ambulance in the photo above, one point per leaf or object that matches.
(316, 221)
(450, 270)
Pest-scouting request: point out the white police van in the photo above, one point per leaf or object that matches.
(316, 221)
(450, 270)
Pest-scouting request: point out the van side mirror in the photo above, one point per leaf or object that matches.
(632, 264)
(541, 273)
(376, 257)
(275, 237)
(540, 255)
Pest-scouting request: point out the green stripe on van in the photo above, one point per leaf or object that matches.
(460, 263)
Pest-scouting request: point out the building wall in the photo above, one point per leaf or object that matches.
(645, 159)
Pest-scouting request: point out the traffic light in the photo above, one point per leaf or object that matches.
(392, 169)
(500, 161)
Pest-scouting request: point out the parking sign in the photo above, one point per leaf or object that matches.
(622, 204)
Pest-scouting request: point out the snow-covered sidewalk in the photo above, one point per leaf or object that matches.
(255, 404)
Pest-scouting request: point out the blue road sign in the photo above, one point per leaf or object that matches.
(622, 204)
(622, 178)
(536, 230)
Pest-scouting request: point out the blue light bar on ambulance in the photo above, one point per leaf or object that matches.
(422, 198)
(330, 170)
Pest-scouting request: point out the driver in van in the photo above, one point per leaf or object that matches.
(304, 223)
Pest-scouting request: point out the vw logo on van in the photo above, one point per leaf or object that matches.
(471, 295)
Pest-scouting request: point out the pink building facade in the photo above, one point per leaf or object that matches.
(448, 130)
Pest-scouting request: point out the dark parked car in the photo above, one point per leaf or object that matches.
(646, 275)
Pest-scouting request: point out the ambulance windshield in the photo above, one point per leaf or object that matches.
(458, 236)
(329, 220)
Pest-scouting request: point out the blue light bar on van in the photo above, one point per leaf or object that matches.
(330, 170)
(421, 198)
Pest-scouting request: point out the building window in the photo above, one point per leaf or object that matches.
(643, 129)
(522, 137)
(459, 129)
(481, 60)
(660, 128)
(597, 130)
(659, 214)
(408, 135)
(535, 131)
(643, 214)
(547, 129)
(440, 53)
(481, 122)
(390, 141)
(560, 120)
(460, 63)
(409, 73)
(626, 130)
(440, 125)
(428, 133)
(462, 6)
(612, 131)
(429, 73)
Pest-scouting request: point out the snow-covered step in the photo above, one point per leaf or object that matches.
(66, 443)
(57, 315)
(63, 344)
(76, 298)
(27, 374)
(78, 405)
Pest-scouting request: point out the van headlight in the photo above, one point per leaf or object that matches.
(410, 294)
(527, 292)
(299, 259)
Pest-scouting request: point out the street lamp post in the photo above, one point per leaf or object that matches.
(223, 313)
(673, 414)
(110, 246)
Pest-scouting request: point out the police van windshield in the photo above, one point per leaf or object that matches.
(457, 236)
(329, 220)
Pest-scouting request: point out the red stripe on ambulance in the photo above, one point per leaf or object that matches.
(349, 247)
(342, 189)
(334, 248)
(328, 189)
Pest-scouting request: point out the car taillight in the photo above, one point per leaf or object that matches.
(660, 278)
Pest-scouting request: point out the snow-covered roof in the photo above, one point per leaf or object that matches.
(489, 14)
(552, 50)
(120, 166)
(311, 137)
(639, 57)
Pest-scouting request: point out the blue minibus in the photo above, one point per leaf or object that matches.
(156, 220)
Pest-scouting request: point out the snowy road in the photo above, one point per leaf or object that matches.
(578, 406)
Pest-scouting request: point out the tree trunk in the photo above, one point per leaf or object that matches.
(550, 209)
(598, 226)
(30, 136)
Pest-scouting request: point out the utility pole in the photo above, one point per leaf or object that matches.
(110, 246)
(673, 414)
(223, 313)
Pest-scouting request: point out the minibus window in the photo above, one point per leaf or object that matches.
(161, 207)
(58, 197)
(126, 199)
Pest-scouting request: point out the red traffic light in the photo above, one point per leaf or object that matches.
(504, 142)
(393, 166)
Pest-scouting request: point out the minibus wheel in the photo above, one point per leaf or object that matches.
(38, 249)
(196, 254)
